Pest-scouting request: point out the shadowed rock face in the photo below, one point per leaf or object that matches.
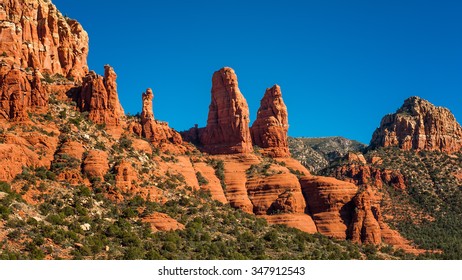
(269, 131)
(20, 92)
(419, 125)
(33, 33)
(227, 130)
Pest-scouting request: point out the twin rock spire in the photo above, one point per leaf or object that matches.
(228, 131)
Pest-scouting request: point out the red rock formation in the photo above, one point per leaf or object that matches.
(20, 92)
(33, 33)
(369, 227)
(13, 157)
(235, 167)
(329, 202)
(356, 157)
(72, 149)
(96, 164)
(214, 184)
(147, 113)
(368, 175)
(25, 149)
(227, 130)
(162, 222)
(125, 175)
(300, 221)
(419, 125)
(278, 193)
(157, 132)
(269, 131)
(365, 227)
(98, 96)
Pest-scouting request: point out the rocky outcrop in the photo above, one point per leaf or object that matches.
(235, 167)
(34, 34)
(147, 113)
(213, 184)
(26, 149)
(37, 43)
(98, 96)
(20, 92)
(156, 132)
(278, 193)
(269, 131)
(419, 125)
(368, 225)
(162, 222)
(227, 130)
(67, 162)
(330, 203)
(72, 149)
(300, 221)
(365, 227)
(126, 175)
(96, 164)
(359, 174)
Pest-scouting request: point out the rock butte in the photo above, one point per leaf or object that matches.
(419, 125)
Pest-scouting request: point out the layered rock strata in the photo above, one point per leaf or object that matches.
(419, 125)
(227, 130)
(34, 34)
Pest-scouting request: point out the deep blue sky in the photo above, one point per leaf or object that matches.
(342, 65)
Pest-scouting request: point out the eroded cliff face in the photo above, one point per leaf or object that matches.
(269, 131)
(419, 125)
(34, 34)
(20, 92)
(36, 43)
(227, 130)
(98, 96)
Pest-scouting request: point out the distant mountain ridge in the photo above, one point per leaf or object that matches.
(318, 153)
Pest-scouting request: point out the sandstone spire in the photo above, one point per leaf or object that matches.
(157, 132)
(227, 129)
(269, 131)
(419, 125)
(98, 96)
(147, 111)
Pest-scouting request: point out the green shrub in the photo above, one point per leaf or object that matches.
(201, 179)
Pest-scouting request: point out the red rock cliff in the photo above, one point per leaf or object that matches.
(20, 92)
(419, 125)
(227, 130)
(33, 33)
(269, 131)
(36, 40)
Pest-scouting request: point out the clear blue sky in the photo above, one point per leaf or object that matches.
(342, 65)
